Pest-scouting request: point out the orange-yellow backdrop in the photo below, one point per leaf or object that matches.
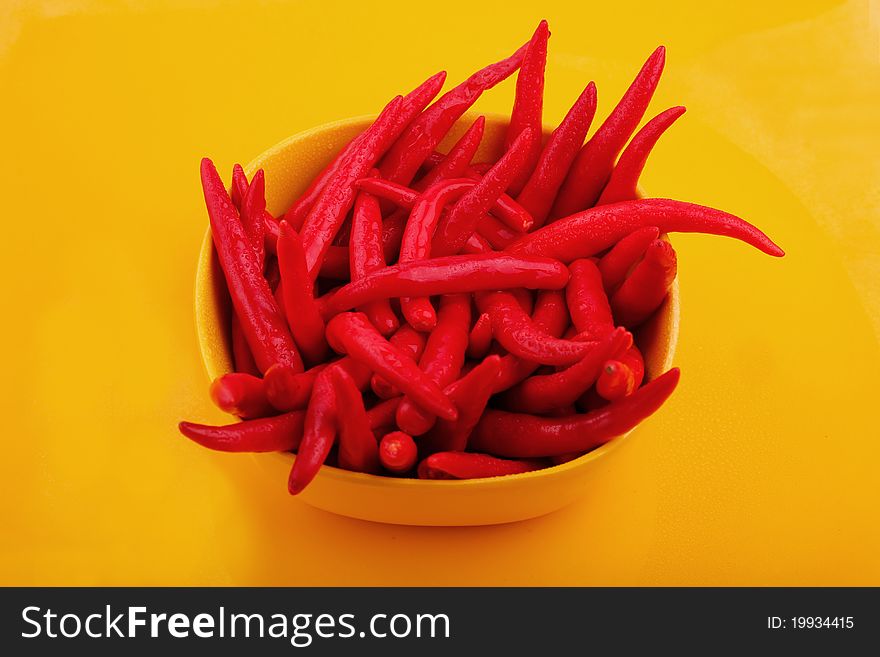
(763, 468)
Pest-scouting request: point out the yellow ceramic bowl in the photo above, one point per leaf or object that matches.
(289, 167)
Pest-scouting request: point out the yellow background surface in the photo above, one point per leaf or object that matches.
(764, 468)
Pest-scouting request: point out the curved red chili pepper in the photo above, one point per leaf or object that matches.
(476, 244)
(253, 205)
(301, 310)
(352, 333)
(398, 452)
(281, 433)
(515, 331)
(480, 337)
(449, 275)
(593, 165)
(460, 222)
(382, 414)
(358, 448)
(615, 264)
(642, 292)
(412, 342)
(544, 393)
(587, 233)
(624, 180)
(405, 157)
(528, 103)
(468, 465)
(319, 432)
(551, 317)
(470, 394)
(520, 435)
(496, 233)
(241, 394)
(587, 302)
(238, 189)
(457, 161)
(441, 360)
(366, 255)
(267, 336)
(555, 160)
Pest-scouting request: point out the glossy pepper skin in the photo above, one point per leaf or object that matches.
(616, 381)
(624, 180)
(242, 358)
(544, 393)
(241, 394)
(253, 205)
(454, 230)
(615, 265)
(590, 232)
(520, 435)
(480, 337)
(287, 389)
(515, 331)
(267, 335)
(281, 433)
(358, 448)
(441, 360)
(456, 162)
(398, 452)
(647, 285)
(448, 275)
(468, 465)
(587, 302)
(410, 342)
(529, 103)
(366, 255)
(301, 310)
(420, 139)
(562, 147)
(319, 432)
(352, 333)
(593, 165)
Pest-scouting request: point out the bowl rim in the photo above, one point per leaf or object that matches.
(362, 478)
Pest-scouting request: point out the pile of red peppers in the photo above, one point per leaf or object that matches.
(415, 313)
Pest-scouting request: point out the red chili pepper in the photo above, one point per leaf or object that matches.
(480, 337)
(624, 180)
(615, 264)
(301, 310)
(496, 233)
(456, 227)
(281, 433)
(555, 160)
(544, 393)
(238, 189)
(528, 103)
(411, 342)
(516, 331)
(352, 333)
(593, 165)
(319, 432)
(366, 255)
(398, 452)
(587, 233)
(253, 205)
(470, 394)
(267, 336)
(476, 244)
(551, 317)
(467, 465)
(645, 288)
(427, 131)
(242, 359)
(358, 449)
(519, 435)
(441, 360)
(382, 414)
(287, 389)
(457, 161)
(241, 394)
(587, 302)
(615, 381)
(449, 275)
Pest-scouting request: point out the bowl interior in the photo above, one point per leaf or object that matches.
(289, 167)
